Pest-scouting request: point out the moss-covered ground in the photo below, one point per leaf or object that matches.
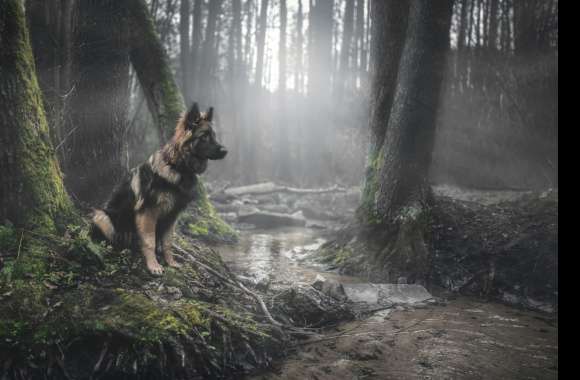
(73, 308)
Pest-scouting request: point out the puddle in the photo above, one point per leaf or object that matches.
(278, 256)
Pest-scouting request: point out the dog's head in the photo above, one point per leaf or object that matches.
(195, 141)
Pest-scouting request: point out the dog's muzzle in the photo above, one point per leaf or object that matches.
(219, 153)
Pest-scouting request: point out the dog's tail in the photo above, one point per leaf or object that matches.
(103, 224)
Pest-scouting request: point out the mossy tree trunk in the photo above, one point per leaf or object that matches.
(151, 65)
(397, 194)
(166, 104)
(32, 194)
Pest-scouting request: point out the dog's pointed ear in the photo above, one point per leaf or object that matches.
(193, 115)
(209, 114)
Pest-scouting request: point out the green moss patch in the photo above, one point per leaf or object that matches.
(102, 314)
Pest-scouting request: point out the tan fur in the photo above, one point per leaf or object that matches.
(166, 243)
(146, 222)
(162, 168)
(102, 220)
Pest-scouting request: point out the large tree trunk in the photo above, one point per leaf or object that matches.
(389, 27)
(402, 193)
(32, 194)
(99, 102)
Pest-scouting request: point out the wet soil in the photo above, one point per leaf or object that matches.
(453, 338)
(462, 339)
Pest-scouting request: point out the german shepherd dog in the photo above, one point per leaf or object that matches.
(144, 207)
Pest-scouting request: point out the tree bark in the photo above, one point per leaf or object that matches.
(32, 193)
(389, 27)
(408, 142)
(99, 101)
(151, 64)
(397, 204)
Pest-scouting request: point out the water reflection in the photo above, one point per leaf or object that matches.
(277, 256)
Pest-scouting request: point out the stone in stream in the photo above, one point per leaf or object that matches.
(265, 219)
(386, 294)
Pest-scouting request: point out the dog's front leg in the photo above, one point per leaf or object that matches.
(166, 243)
(146, 222)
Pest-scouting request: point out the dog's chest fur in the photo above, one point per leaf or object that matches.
(162, 188)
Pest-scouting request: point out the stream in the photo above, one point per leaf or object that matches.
(456, 337)
(278, 256)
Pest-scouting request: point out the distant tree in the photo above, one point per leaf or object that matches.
(343, 81)
(261, 43)
(185, 49)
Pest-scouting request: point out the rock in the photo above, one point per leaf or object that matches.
(386, 294)
(265, 219)
(329, 287)
(366, 293)
(403, 293)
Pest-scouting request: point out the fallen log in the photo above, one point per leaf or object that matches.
(271, 187)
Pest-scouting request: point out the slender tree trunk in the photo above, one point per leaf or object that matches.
(343, 82)
(283, 159)
(32, 193)
(260, 43)
(195, 43)
(319, 89)
(209, 51)
(299, 75)
(184, 52)
(493, 19)
(359, 38)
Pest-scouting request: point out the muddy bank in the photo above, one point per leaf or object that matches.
(463, 338)
(499, 245)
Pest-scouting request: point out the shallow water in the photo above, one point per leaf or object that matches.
(278, 256)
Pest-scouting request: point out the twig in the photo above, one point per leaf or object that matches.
(19, 245)
(233, 283)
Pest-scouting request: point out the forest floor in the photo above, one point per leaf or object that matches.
(463, 338)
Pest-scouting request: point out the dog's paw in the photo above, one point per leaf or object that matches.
(155, 269)
(174, 264)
